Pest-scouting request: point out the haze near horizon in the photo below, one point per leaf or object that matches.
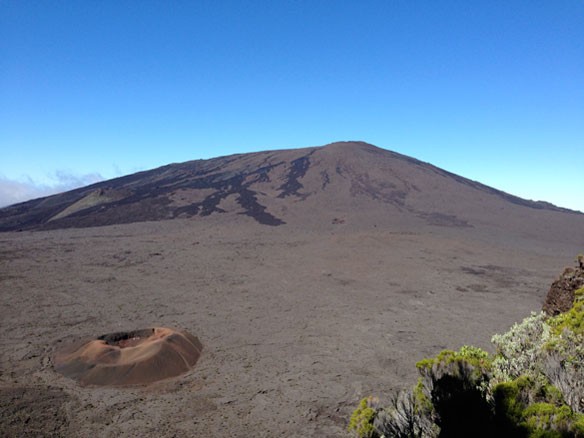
(492, 91)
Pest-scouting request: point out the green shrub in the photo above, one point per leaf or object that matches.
(533, 387)
(361, 423)
(578, 425)
(518, 417)
(519, 349)
(422, 402)
(567, 375)
(472, 356)
(456, 384)
(403, 417)
(564, 353)
(572, 320)
(546, 419)
(509, 407)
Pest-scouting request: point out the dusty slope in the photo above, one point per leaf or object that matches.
(345, 182)
(297, 324)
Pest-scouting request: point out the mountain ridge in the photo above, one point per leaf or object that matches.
(266, 186)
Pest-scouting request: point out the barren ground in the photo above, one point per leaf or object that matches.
(297, 325)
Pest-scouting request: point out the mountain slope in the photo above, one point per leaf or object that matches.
(339, 183)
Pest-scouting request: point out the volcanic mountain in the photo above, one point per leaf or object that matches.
(344, 183)
(311, 278)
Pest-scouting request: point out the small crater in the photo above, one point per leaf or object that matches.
(134, 357)
(127, 339)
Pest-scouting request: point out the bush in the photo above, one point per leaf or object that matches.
(533, 387)
(406, 416)
(546, 417)
(572, 320)
(456, 384)
(513, 401)
(568, 377)
(361, 423)
(509, 406)
(564, 353)
(519, 350)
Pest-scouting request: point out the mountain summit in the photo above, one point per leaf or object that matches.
(340, 183)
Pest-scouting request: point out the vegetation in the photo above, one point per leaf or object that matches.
(532, 387)
(362, 420)
(519, 350)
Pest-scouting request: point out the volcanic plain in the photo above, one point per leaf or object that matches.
(312, 278)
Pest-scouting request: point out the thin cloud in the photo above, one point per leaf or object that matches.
(14, 191)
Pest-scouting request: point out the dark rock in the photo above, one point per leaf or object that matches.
(560, 297)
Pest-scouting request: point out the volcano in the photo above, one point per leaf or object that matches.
(130, 358)
(340, 183)
(313, 278)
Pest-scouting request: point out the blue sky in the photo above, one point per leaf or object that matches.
(491, 90)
